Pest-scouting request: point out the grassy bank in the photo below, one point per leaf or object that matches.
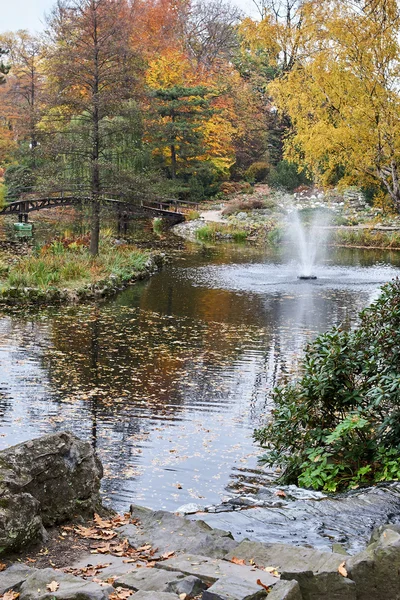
(367, 238)
(64, 270)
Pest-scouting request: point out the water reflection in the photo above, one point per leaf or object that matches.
(170, 378)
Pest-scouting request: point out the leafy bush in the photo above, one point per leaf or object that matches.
(192, 215)
(339, 426)
(233, 187)
(18, 180)
(286, 175)
(257, 172)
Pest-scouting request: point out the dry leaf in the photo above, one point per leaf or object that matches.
(167, 554)
(53, 586)
(280, 493)
(266, 587)
(238, 561)
(10, 595)
(342, 569)
(183, 596)
(2, 566)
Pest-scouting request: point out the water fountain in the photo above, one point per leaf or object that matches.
(308, 242)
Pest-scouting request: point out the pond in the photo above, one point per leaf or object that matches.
(169, 379)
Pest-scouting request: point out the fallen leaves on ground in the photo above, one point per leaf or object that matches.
(53, 586)
(2, 567)
(273, 571)
(238, 561)
(121, 594)
(88, 571)
(266, 587)
(10, 595)
(342, 569)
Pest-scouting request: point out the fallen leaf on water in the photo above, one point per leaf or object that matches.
(280, 493)
(266, 587)
(238, 561)
(342, 569)
(53, 586)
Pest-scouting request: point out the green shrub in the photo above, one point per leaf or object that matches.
(286, 175)
(205, 233)
(158, 225)
(257, 172)
(339, 426)
(18, 180)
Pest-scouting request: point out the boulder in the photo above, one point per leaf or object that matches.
(190, 585)
(154, 580)
(43, 482)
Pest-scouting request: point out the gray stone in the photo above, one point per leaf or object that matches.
(148, 580)
(376, 571)
(13, 577)
(167, 531)
(70, 587)
(190, 585)
(316, 571)
(142, 595)
(234, 589)
(42, 482)
(285, 590)
(117, 567)
(211, 569)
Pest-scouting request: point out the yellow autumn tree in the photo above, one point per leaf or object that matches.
(343, 95)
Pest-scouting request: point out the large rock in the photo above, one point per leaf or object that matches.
(285, 590)
(43, 482)
(170, 532)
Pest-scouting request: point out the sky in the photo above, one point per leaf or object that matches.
(29, 14)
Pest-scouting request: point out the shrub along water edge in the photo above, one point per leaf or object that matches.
(338, 426)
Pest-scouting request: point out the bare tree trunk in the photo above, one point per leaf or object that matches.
(95, 191)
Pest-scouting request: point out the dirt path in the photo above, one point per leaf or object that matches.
(214, 216)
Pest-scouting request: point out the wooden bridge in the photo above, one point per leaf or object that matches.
(172, 210)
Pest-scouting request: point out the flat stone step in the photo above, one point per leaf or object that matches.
(210, 570)
(170, 532)
(142, 595)
(286, 558)
(155, 580)
(69, 587)
(231, 588)
(13, 577)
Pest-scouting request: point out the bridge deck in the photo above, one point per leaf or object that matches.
(150, 208)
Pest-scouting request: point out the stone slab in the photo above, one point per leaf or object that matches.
(142, 595)
(155, 580)
(70, 587)
(189, 585)
(285, 557)
(285, 590)
(117, 566)
(13, 577)
(211, 569)
(232, 588)
(170, 532)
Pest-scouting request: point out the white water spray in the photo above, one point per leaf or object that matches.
(308, 242)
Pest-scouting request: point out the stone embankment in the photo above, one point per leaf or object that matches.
(160, 555)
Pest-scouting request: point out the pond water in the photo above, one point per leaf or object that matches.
(169, 379)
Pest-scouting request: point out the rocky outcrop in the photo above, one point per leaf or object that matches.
(45, 481)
